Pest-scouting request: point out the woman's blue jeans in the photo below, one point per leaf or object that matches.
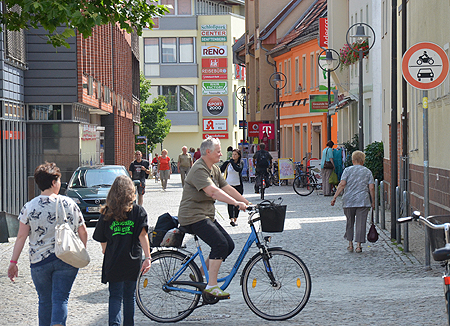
(118, 292)
(53, 282)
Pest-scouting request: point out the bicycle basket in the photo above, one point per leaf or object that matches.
(437, 237)
(272, 216)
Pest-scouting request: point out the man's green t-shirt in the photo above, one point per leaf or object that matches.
(195, 204)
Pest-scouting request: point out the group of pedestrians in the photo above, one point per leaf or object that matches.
(121, 230)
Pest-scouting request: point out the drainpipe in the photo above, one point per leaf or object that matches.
(394, 154)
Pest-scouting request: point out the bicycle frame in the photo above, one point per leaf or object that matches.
(253, 237)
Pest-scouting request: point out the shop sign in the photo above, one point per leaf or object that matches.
(215, 77)
(212, 27)
(215, 63)
(215, 106)
(215, 135)
(253, 129)
(214, 51)
(215, 125)
(323, 32)
(319, 103)
(214, 88)
(268, 129)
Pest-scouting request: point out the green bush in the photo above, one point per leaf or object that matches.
(374, 159)
(350, 147)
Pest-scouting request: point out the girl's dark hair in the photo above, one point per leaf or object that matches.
(239, 153)
(330, 143)
(119, 200)
(229, 149)
(45, 174)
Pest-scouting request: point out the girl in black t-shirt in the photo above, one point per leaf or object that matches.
(123, 233)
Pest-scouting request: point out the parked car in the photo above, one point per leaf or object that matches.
(89, 186)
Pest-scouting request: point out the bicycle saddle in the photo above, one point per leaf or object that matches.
(184, 229)
(442, 254)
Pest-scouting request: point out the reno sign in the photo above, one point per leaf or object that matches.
(214, 51)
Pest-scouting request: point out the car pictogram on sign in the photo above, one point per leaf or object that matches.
(425, 73)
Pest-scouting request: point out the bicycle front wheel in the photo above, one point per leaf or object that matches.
(162, 305)
(287, 296)
(301, 185)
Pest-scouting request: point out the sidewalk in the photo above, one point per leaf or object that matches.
(380, 286)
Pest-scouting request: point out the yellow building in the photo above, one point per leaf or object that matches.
(189, 60)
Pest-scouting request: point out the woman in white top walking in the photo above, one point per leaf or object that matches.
(233, 176)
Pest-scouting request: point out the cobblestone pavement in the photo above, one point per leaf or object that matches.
(380, 286)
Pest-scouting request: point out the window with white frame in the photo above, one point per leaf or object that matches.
(288, 77)
(312, 70)
(296, 73)
(166, 50)
(178, 7)
(179, 98)
(304, 72)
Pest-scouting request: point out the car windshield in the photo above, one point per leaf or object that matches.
(95, 178)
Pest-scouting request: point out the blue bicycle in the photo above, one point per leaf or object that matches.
(276, 284)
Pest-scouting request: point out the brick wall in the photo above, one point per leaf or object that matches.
(106, 58)
(439, 183)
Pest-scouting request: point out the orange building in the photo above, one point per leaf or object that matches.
(303, 128)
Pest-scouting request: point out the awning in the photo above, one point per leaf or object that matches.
(343, 103)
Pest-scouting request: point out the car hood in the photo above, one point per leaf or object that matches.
(86, 193)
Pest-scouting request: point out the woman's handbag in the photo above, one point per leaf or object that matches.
(333, 180)
(328, 164)
(68, 246)
(372, 236)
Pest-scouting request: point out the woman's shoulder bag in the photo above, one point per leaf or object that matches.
(68, 246)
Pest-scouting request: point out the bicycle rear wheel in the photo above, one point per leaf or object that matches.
(290, 293)
(301, 185)
(167, 306)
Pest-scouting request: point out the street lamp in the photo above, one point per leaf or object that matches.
(278, 81)
(360, 37)
(241, 96)
(330, 62)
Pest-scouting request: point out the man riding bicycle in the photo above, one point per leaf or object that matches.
(203, 185)
(262, 160)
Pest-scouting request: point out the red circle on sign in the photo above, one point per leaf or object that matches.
(406, 69)
(215, 105)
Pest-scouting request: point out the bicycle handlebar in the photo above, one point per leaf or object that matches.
(415, 216)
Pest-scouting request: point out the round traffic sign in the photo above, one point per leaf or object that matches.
(425, 65)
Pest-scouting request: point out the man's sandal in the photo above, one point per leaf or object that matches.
(358, 249)
(350, 248)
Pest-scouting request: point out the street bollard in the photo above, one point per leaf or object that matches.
(397, 210)
(383, 212)
(377, 197)
(405, 225)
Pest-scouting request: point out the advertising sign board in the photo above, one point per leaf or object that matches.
(215, 88)
(215, 125)
(215, 106)
(214, 51)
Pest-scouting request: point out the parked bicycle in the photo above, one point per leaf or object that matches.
(305, 182)
(440, 245)
(276, 284)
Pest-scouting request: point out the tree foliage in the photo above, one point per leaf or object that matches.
(153, 124)
(374, 159)
(82, 15)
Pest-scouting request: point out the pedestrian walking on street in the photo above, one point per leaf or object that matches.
(123, 233)
(52, 278)
(184, 164)
(164, 168)
(203, 186)
(155, 167)
(327, 165)
(139, 170)
(197, 154)
(233, 175)
(359, 196)
(262, 160)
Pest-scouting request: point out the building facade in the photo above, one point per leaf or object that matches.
(188, 59)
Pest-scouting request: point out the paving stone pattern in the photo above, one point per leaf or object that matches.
(380, 286)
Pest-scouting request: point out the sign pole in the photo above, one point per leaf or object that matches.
(426, 189)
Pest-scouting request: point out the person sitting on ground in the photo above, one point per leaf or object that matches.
(203, 186)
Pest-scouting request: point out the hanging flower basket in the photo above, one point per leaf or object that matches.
(348, 56)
